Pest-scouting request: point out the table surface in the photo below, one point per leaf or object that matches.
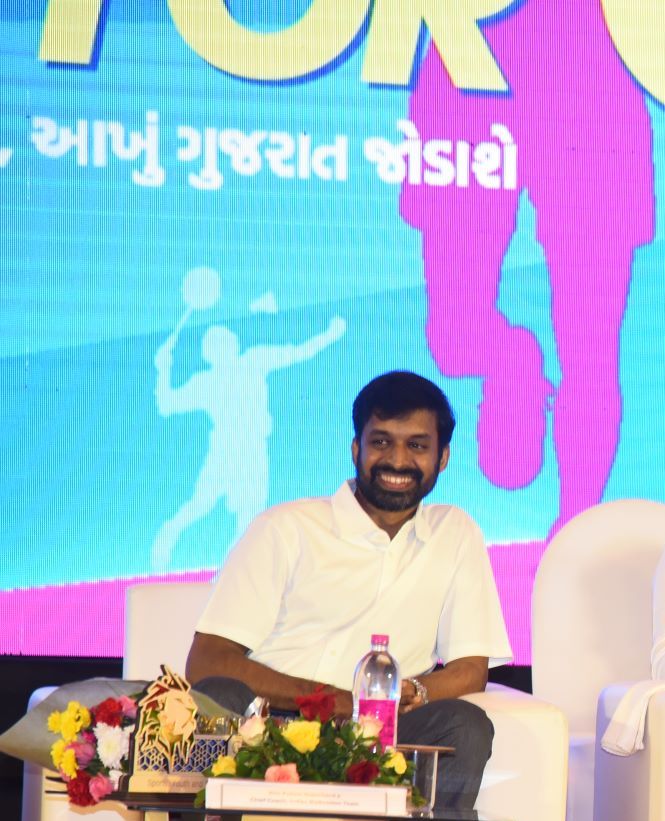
(166, 808)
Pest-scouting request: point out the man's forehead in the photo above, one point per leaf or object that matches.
(420, 422)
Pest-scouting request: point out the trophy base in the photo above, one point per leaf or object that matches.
(158, 782)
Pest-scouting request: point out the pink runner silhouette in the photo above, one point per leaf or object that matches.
(584, 149)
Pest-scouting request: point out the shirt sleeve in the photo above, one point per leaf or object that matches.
(246, 599)
(471, 621)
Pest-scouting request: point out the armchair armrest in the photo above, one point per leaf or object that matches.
(630, 786)
(527, 774)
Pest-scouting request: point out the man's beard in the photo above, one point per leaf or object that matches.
(392, 500)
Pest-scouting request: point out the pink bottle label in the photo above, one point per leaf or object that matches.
(386, 712)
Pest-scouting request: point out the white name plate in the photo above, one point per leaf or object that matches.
(247, 794)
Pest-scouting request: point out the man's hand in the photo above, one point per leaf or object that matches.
(343, 703)
(410, 698)
(457, 678)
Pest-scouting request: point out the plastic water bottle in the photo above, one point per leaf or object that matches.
(377, 688)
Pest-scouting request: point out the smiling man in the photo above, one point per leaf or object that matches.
(310, 581)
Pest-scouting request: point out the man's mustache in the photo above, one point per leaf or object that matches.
(414, 473)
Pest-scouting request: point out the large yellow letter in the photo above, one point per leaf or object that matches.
(638, 30)
(68, 35)
(321, 34)
(393, 39)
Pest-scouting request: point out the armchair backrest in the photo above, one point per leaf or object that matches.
(159, 626)
(658, 649)
(592, 605)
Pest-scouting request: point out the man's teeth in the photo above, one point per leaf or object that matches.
(396, 481)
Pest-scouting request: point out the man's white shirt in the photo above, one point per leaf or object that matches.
(311, 580)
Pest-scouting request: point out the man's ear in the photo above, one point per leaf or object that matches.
(444, 458)
(355, 448)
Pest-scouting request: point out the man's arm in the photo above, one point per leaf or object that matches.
(457, 678)
(212, 655)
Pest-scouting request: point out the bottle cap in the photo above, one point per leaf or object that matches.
(379, 638)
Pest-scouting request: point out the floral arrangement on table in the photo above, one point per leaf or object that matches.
(313, 747)
(93, 749)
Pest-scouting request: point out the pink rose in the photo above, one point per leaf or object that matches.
(128, 706)
(84, 752)
(287, 773)
(100, 786)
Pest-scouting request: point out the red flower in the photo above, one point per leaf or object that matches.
(317, 705)
(362, 772)
(108, 712)
(78, 790)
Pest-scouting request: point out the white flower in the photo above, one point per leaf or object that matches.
(251, 731)
(112, 744)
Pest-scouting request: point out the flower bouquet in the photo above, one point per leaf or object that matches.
(147, 742)
(314, 747)
(93, 749)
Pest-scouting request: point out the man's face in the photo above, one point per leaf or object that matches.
(397, 460)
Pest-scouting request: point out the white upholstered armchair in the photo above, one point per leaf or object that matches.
(634, 786)
(525, 778)
(591, 630)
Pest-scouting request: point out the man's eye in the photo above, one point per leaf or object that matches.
(417, 446)
(378, 443)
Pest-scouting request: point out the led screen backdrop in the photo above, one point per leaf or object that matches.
(220, 221)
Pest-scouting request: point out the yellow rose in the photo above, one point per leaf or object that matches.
(57, 751)
(225, 765)
(303, 735)
(68, 764)
(397, 762)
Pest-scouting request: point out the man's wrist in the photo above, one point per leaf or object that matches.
(420, 690)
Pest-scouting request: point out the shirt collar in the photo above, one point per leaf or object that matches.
(353, 523)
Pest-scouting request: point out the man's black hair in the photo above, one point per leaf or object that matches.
(399, 393)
